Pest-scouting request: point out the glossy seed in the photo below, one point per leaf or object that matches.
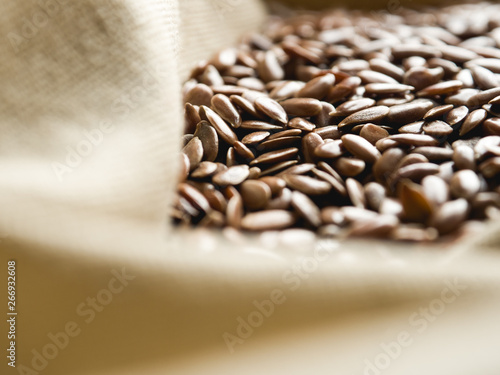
(271, 108)
(194, 152)
(268, 220)
(307, 185)
(234, 175)
(306, 208)
(302, 107)
(372, 114)
(256, 194)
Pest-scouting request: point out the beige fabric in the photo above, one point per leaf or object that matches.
(95, 86)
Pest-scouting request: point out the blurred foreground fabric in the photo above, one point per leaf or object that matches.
(90, 120)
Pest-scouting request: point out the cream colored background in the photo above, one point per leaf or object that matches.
(190, 287)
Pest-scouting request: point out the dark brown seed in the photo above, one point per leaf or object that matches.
(306, 208)
(483, 146)
(259, 125)
(301, 52)
(473, 120)
(495, 100)
(361, 148)
(349, 167)
(229, 90)
(275, 156)
(301, 124)
(231, 157)
(457, 115)
(194, 152)
(211, 76)
(409, 112)
(449, 67)
(417, 171)
(343, 89)
(234, 175)
(374, 195)
(437, 128)
(411, 159)
(408, 50)
(254, 173)
(251, 83)
(450, 216)
(324, 118)
(442, 88)
(223, 129)
(191, 118)
(297, 169)
(385, 143)
(336, 183)
(286, 90)
(491, 64)
(279, 143)
(456, 54)
(379, 226)
(462, 97)
(438, 112)
(435, 189)
(463, 157)
(268, 220)
(255, 137)
(370, 76)
(353, 106)
(371, 114)
(194, 197)
(216, 200)
(208, 137)
(416, 206)
(464, 184)
(256, 194)
(223, 106)
(373, 133)
(386, 164)
(199, 94)
(271, 108)
(465, 76)
(434, 153)
(205, 169)
(356, 192)
(309, 143)
(307, 185)
(245, 105)
(414, 139)
(302, 107)
(330, 150)
(278, 167)
(491, 126)
(317, 88)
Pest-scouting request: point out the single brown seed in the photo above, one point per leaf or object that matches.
(234, 175)
(245, 105)
(416, 206)
(355, 192)
(223, 106)
(258, 125)
(360, 148)
(306, 208)
(191, 118)
(211, 76)
(328, 132)
(450, 216)
(302, 107)
(279, 143)
(199, 94)
(343, 89)
(473, 120)
(194, 197)
(271, 108)
(433, 153)
(438, 112)
(330, 150)
(276, 184)
(457, 115)
(194, 152)
(301, 124)
(185, 166)
(275, 156)
(216, 200)
(421, 77)
(491, 167)
(285, 133)
(243, 150)
(412, 128)
(209, 140)
(435, 189)
(411, 159)
(268, 220)
(417, 171)
(309, 143)
(385, 143)
(378, 227)
(234, 211)
(223, 129)
(324, 118)
(371, 114)
(298, 169)
(370, 76)
(463, 157)
(373, 133)
(337, 184)
(437, 128)
(352, 106)
(387, 88)
(251, 83)
(485, 79)
(414, 139)
(205, 169)
(409, 112)
(256, 194)
(231, 157)
(374, 195)
(286, 90)
(349, 167)
(386, 164)
(464, 184)
(456, 54)
(442, 88)
(307, 185)
(483, 97)
(491, 126)
(317, 88)
(401, 51)
(462, 97)
(387, 68)
(483, 146)
(269, 68)
(255, 138)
